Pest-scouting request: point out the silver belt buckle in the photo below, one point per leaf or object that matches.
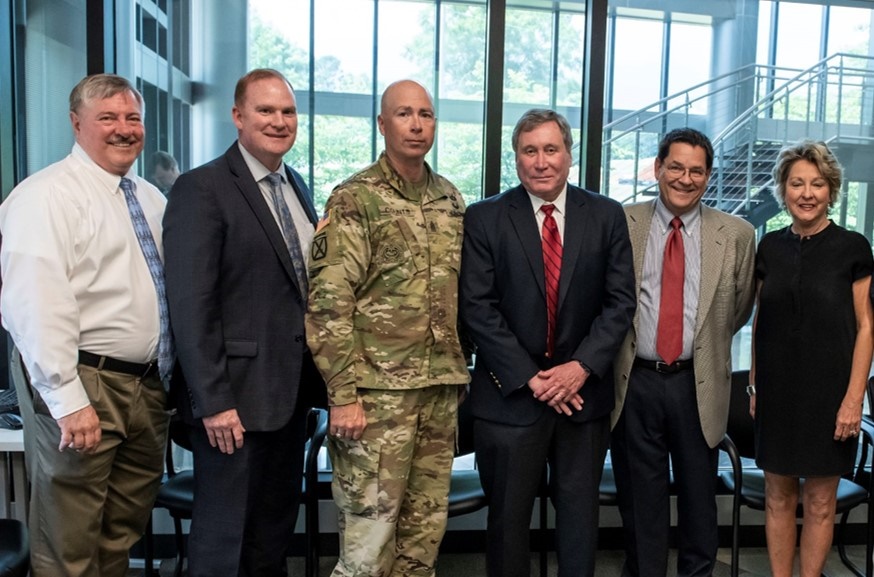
(663, 367)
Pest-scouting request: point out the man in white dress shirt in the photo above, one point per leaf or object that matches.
(82, 305)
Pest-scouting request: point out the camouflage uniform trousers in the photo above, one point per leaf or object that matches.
(392, 485)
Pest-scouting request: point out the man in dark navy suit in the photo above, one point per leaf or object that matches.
(235, 234)
(547, 294)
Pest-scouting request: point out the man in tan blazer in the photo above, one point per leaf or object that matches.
(673, 372)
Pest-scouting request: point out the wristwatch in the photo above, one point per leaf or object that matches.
(751, 390)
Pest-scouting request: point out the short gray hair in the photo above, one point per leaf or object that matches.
(537, 116)
(101, 87)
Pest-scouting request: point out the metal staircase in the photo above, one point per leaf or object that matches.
(831, 101)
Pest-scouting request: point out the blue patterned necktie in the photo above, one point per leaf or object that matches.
(156, 269)
(289, 231)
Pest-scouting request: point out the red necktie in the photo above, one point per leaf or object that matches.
(552, 271)
(669, 341)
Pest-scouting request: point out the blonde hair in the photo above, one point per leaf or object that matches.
(816, 153)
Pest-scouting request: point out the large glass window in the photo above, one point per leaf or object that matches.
(849, 32)
(54, 61)
(461, 96)
(798, 35)
(637, 72)
(279, 38)
(164, 46)
(528, 57)
(406, 45)
(543, 68)
(462, 52)
(357, 41)
(569, 59)
(763, 45)
(344, 46)
(690, 54)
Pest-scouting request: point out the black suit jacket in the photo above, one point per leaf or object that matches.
(503, 301)
(235, 308)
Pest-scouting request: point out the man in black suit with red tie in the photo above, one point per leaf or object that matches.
(235, 232)
(547, 294)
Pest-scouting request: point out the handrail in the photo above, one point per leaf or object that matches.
(684, 93)
(824, 101)
(768, 99)
(743, 132)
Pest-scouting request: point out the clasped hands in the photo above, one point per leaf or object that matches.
(559, 386)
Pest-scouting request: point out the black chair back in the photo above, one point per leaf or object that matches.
(317, 430)
(741, 427)
(869, 392)
(14, 549)
(464, 444)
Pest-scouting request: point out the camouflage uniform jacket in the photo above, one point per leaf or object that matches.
(383, 299)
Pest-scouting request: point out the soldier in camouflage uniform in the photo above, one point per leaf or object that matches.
(382, 327)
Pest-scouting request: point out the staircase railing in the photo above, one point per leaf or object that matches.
(629, 142)
(832, 99)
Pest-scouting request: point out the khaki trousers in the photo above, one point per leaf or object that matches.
(86, 511)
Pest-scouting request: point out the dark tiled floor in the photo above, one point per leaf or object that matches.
(753, 563)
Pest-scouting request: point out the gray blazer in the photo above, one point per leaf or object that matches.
(725, 302)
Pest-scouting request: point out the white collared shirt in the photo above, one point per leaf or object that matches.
(305, 229)
(651, 280)
(558, 214)
(74, 275)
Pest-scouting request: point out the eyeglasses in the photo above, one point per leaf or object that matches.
(677, 171)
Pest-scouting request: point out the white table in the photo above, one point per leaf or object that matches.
(13, 476)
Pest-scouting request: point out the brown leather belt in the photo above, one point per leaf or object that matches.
(141, 370)
(662, 367)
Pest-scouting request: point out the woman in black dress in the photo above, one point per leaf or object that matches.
(812, 348)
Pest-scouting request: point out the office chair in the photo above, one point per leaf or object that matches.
(465, 491)
(869, 393)
(14, 549)
(317, 430)
(177, 493)
(746, 482)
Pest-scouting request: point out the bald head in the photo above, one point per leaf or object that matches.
(393, 90)
(407, 122)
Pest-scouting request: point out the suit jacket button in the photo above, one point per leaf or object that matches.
(298, 338)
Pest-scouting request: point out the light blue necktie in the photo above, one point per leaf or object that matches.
(156, 268)
(289, 231)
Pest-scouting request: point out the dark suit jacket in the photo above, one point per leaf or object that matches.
(235, 308)
(503, 301)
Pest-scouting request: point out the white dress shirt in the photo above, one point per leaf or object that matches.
(558, 214)
(651, 280)
(74, 275)
(305, 229)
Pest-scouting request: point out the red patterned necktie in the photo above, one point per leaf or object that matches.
(669, 341)
(552, 271)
